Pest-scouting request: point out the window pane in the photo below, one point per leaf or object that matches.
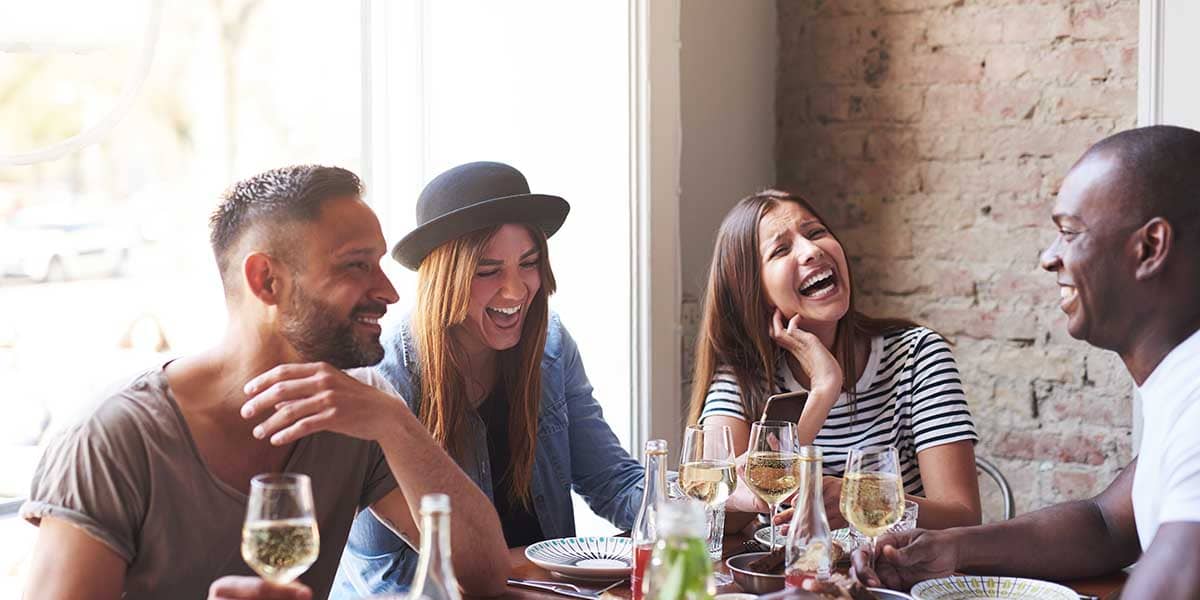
(543, 86)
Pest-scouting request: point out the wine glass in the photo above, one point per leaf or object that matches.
(279, 538)
(773, 464)
(872, 491)
(707, 473)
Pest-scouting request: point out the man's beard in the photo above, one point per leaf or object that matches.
(314, 330)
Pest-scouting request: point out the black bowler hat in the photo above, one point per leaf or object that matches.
(471, 197)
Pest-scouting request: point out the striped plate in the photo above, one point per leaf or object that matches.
(975, 587)
(842, 537)
(595, 558)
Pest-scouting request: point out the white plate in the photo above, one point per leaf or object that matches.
(842, 537)
(977, 587)
(593, 558)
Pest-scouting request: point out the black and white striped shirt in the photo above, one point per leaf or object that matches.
(910, 396)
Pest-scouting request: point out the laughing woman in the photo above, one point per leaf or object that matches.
(779, 317)
(493, 374)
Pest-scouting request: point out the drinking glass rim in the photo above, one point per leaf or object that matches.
(286, 480)
(772, 423)
(705, 427)
(873, 450)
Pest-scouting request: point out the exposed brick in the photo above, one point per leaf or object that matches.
(936, 133)
(1075, 484)
(1093, 20)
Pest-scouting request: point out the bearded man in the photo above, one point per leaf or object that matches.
(146, 497)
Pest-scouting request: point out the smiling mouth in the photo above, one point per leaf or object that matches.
(368, 320)
(1067, 296)
(821, 284)
(504, 317)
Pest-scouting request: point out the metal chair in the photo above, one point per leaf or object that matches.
(990, 469)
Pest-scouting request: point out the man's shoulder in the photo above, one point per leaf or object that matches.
(126, 407)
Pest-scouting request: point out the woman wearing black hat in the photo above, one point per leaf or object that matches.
(493, 373)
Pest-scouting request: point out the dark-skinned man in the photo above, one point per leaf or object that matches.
(146, 497)
(1127, 260)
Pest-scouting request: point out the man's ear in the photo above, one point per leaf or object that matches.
(263, 276)
(1152, 244)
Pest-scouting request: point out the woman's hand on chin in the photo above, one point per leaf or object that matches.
(815, 359)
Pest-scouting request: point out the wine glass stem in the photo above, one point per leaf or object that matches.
(873, 549)
(774, 509)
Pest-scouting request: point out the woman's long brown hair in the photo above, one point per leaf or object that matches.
(443, 293)
(735, 325)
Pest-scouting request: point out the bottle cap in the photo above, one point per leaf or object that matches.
(656, 447)
(435, 503)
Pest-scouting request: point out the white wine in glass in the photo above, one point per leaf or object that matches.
(773, 464)
(772, 476)
(279, 538)
(872, 492)
(707, 472)
(709, 481)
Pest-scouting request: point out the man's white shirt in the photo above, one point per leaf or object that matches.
(1166, 486)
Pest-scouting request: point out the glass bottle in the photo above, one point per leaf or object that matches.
(808, 539)
(645, 526)
(679, 567)
(435, 579)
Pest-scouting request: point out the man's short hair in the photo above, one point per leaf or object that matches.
(267, 204)
(1160, 167)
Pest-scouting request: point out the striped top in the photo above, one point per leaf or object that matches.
(910, 396)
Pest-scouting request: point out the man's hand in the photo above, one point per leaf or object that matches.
(907, 558)
(311, 397)
(253, 588)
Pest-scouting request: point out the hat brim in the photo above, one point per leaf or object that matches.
(545, 212)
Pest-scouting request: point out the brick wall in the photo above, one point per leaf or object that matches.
(934, 134)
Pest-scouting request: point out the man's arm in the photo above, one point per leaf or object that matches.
(302, 399)
(1049, 543)
(68, 563)
(1067, 541)
(1168, 570)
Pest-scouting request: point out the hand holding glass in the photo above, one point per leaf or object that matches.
(279, 538)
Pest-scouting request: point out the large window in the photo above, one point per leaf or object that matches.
(105, 255)
(541, 85)
(106, 267)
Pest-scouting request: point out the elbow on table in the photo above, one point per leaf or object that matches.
(486, 578)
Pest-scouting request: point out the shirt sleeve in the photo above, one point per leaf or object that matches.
(1181, 470)
(379, 480)
(724, 397)
(939, 414)
(94, 476)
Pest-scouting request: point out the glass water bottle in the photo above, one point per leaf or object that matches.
(680, 568)
(645, 526)
(435, 579)
(808, 539)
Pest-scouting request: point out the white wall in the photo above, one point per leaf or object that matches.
(1168, 80)
(727, 94)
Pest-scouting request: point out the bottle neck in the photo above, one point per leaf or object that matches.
(654, 492)
(435, 572)
(811, 473)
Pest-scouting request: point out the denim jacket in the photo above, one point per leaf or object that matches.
(575, 449)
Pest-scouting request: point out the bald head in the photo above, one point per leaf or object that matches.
(1156, 171)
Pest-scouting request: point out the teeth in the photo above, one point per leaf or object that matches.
(815, 277)
(367, 320)
(1066, 292)
(506, 311)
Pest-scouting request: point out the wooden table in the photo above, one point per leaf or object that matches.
(1105, 587)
